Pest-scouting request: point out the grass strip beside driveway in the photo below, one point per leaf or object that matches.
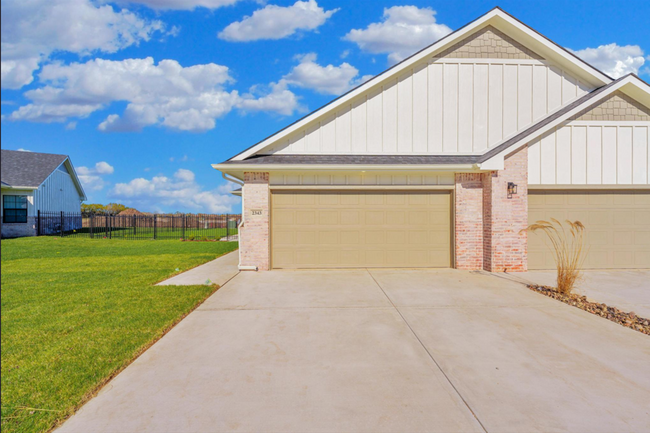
(76, 311)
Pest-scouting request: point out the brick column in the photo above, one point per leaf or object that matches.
(254, 240)
(469, 221)
(505, 249)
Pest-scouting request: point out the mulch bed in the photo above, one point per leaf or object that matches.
(629, 320)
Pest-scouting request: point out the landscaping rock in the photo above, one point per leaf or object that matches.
(629, 320)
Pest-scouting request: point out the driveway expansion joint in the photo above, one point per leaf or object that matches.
(429, 353)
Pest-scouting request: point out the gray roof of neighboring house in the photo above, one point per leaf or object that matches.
(28, 169)
(358, 159)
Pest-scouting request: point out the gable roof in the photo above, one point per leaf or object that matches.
(630, 84)
(630, 81)
(496, 18)
(30, 169)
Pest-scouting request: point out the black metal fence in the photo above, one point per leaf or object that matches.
(156, 226)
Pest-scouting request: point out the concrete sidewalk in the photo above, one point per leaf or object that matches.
(218, 271)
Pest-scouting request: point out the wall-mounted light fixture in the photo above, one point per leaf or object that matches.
(512, 189)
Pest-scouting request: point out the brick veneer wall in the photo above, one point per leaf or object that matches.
(504, 217)
(469, 220)
(254, 238)
(18, 230)
(488, 222)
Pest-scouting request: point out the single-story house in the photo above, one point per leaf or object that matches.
(443, 159)
(33, 182)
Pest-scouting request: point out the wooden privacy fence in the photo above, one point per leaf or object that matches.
(156, 226)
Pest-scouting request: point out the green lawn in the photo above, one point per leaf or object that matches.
(76, 311)
(148, 233)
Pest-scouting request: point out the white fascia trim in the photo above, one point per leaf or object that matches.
(73, 174)
(446, 42)
(497, 162)
(598, 76)
(21, 188)
(318, 167)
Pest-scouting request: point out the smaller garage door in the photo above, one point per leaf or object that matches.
(356, 229)
(617, 226)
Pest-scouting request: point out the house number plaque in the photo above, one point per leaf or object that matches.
(256, 212)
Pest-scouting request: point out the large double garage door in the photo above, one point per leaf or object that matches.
(352, 229)
(617, 226)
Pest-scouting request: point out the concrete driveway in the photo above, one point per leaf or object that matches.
(381, 351)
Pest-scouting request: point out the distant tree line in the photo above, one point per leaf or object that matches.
(101, 209)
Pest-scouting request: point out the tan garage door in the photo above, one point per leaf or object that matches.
(617, 226)
(360, 229)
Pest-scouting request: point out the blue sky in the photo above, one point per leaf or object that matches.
(145, 94)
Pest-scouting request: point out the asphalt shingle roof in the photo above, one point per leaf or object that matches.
(28, 168)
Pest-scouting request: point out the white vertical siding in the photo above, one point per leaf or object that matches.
(405, 113)
(57, 193)
(390, 117)
(592, 153)
(451, 106)
(420, 110)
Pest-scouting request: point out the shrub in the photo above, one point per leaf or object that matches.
(190, 237)
(568, 250)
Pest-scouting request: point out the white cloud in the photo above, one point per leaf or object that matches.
(92, 178)
(276, 99)
(403, 31)
(182, 98)
(181, 192)
(23, 150)
(183, 4)
(33, 29)
(276, 22)
(330, 79)
(71, 126)
(613, 59)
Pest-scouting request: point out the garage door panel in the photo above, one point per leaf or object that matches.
(328, 218)
(305, 199)
(374, 218)
(361, 229)
(285, 237)
(616, 233)
(305, 237)
(418, 218)
(395, 218)
(307, 218)
(283, 218)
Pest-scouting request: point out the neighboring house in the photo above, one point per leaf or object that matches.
(33, 182)
(443, 160)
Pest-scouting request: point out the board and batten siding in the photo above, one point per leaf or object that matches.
(57, 193)
(592, 153)
(445, 106)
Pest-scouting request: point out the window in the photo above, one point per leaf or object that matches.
(14, 209)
